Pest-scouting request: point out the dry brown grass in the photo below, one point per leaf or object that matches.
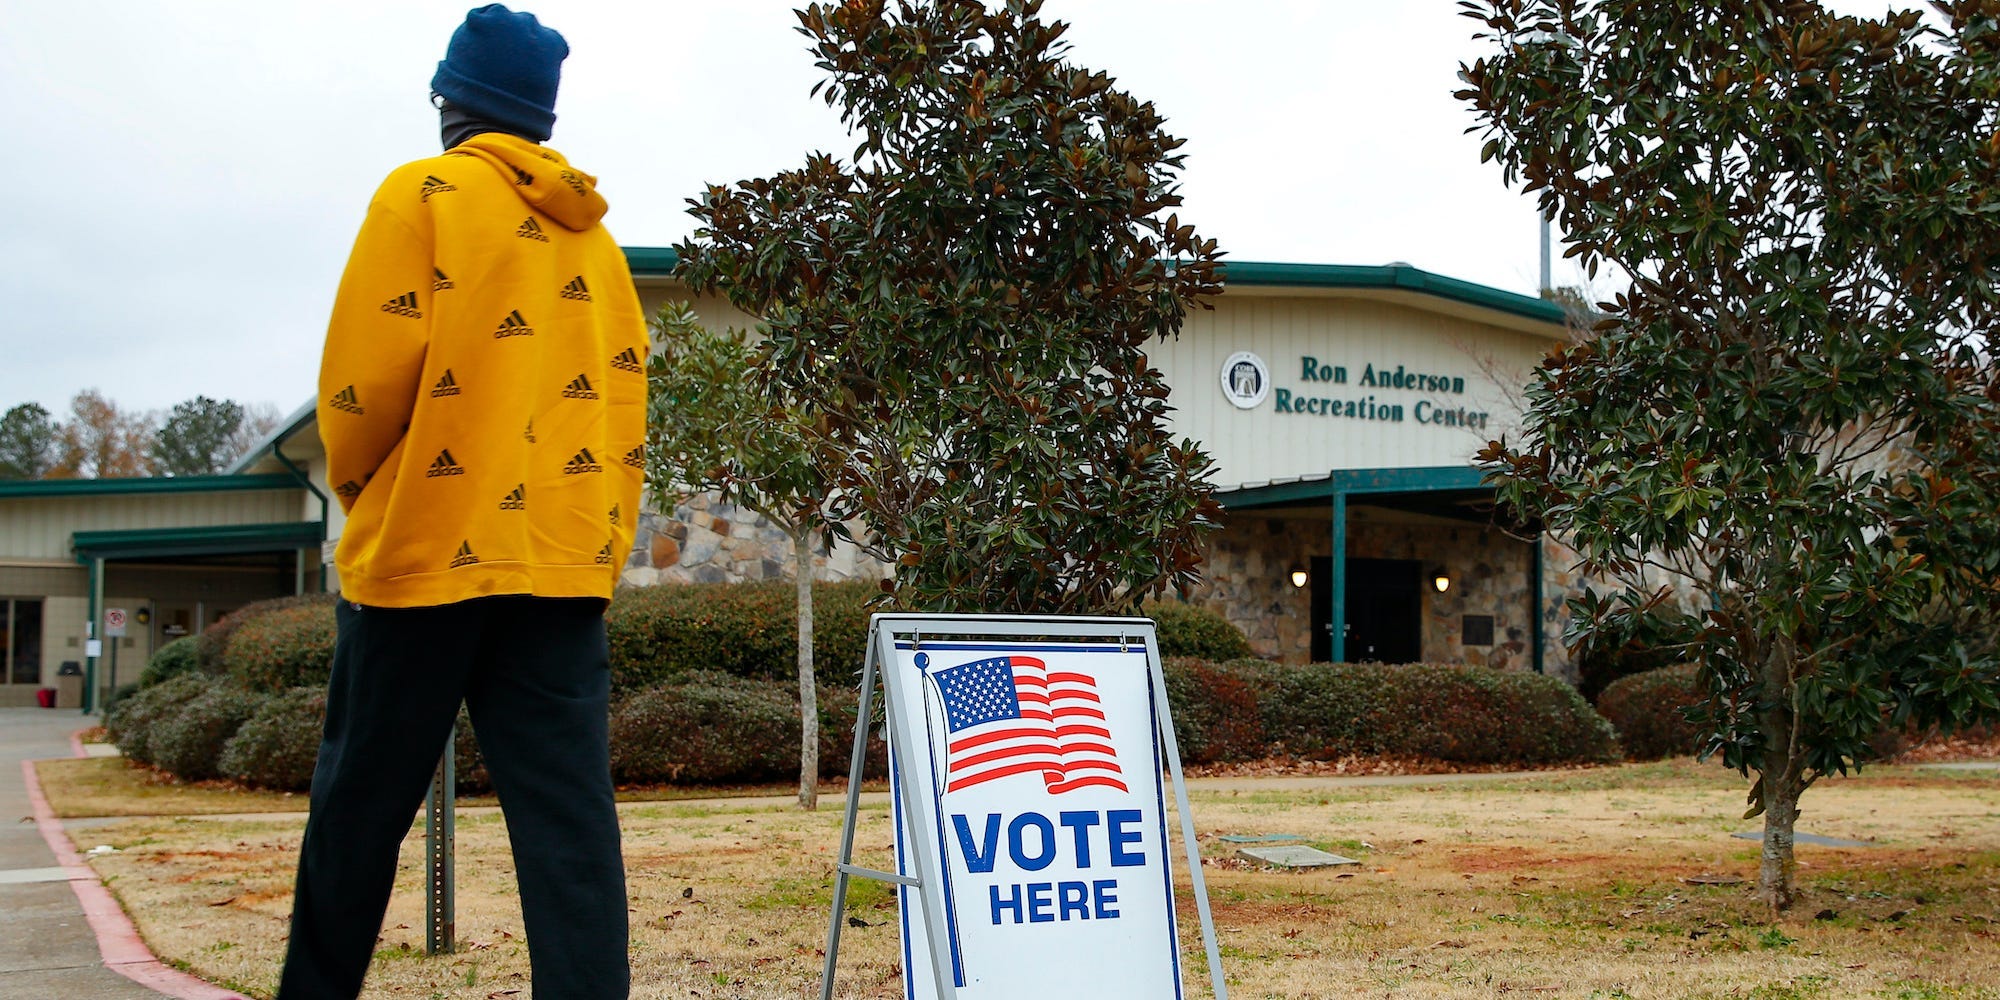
(1564, 886)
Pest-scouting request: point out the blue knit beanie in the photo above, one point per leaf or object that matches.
(504, 67)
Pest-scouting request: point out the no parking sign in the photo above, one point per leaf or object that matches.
(1032, 844)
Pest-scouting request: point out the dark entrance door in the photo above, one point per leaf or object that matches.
(1322, 609)
(1384, 610)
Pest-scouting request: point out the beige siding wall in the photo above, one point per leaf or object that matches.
(1353, 334)
(41, 528)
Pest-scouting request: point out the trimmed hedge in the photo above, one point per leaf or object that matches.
(283, 647)
(189, 740)
(277, 747)
(1460, 714)
(1215, 711)
(212, 645)
(171, 660)
(667, 633)
(710, 728)
(1190, 630)
(132, 723)
(1646, 709)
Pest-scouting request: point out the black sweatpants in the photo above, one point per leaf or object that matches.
(534, 674)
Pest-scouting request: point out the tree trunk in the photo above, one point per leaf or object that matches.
(808, 699)
(1778, 873)
(1781, 777)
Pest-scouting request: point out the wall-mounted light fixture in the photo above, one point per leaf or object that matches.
(1299, 576)
(1440, 580)
(143, 616)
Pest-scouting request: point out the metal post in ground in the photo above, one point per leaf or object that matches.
(441, 902)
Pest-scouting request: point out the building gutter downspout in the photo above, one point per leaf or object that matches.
(278, 452)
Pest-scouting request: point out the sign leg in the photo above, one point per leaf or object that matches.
(441, 891)
(846, 857)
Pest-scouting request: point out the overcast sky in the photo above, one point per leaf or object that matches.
(187, 177)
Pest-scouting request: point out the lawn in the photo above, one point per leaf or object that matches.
(1591, 884)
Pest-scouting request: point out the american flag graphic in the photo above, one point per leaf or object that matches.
(1011, 715)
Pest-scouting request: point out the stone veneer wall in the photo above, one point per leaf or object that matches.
(707, 541)
(1251, 558)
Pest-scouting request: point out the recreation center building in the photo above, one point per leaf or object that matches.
(1342, 405)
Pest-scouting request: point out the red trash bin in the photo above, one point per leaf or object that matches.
(46, 697)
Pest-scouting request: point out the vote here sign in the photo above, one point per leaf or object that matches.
(1039, 775)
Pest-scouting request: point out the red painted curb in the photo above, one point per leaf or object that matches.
(117, 940)
(76, 744)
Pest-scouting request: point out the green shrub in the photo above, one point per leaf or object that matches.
(708, 729)
(118, 696)
(1646, 709)
(1460, 714)
(283, 647)
(1475, 715)
(1215, 711)
(838, 706)
(1609, 655)
(276, 748)
(187, 740)
(171, 660)
(132, 723)
(665, 633)
(1188, 630)
(212, 645)
(468, 765)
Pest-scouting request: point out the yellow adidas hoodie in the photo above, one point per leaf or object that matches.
(483, 391)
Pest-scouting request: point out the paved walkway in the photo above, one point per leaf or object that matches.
(47, 945)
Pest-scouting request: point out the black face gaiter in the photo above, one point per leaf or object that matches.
(455, 125)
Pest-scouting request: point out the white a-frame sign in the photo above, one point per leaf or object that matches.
(1032, 849)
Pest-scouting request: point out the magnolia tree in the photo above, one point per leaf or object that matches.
(1794, 404)
(961, 312)
(709, 429)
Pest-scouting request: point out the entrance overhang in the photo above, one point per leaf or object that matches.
(1454, 492)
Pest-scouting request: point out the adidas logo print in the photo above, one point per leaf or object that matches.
(636, 458)
(617, 514)
(604, 555)
(530, 432)
(351, 489)
(579, 388)
(517, 500)
(446, 386)
(445, 465)
(347, 402)
(574, 183)
(530, 230)
(582, 463)
(627, 361)
(465, 556)
(576, 290)
(403, 305)
(434, 185)
(440, 283)
(514, 326)
(522, 177)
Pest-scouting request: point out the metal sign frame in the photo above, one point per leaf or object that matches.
(884, 631)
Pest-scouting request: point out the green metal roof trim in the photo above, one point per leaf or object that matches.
(299, 418)
(1400, 277)
(661, 261)
(651, 261)
(1354, 481)
(37, 488)
(225, 540)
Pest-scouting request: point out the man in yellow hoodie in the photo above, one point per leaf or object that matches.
(482, 400)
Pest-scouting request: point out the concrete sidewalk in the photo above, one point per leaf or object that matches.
(47, 946)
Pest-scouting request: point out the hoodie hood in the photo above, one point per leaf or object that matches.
(541, 177)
